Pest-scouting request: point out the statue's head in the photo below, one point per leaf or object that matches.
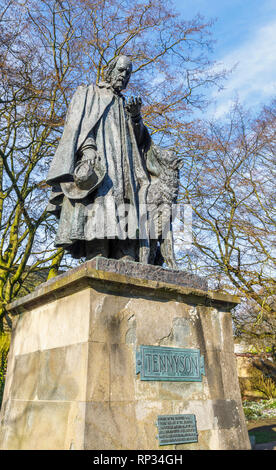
(118, 72)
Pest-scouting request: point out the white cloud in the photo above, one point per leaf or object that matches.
(254, 78)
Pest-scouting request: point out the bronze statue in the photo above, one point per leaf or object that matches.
(108, 178)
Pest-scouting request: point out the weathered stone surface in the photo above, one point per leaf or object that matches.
(122, 373)
(110, 425)
(146, 271)
(98, 372)
(23, 386)
(62, 322)
(72, 383)
(63, 373)
(79, 278)
(109, 322)
(60, 374)
(35, 425)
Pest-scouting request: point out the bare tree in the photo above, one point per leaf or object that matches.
(31, 98)
(47, 49)
(228, 179)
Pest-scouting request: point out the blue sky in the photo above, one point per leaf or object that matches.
(245, 34)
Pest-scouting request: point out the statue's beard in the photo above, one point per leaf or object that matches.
(119, 84)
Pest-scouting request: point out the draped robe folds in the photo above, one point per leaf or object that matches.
(97, 114)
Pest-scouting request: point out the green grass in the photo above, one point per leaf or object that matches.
(263, 436)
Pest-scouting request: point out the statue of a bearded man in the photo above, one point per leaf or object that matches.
(99, 173)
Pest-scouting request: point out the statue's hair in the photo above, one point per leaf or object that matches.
(111, 66)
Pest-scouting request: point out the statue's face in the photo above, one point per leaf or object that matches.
(121, 74)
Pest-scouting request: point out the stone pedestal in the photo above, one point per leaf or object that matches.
(71, 380)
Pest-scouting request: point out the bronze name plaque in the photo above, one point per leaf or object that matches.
(169, 364)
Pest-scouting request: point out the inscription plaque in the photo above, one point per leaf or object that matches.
(169, 364)
(176, 429)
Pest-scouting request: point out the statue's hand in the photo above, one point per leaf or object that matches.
(133, 106)
(84, 174)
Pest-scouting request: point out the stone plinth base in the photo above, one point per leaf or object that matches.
(71, 380)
